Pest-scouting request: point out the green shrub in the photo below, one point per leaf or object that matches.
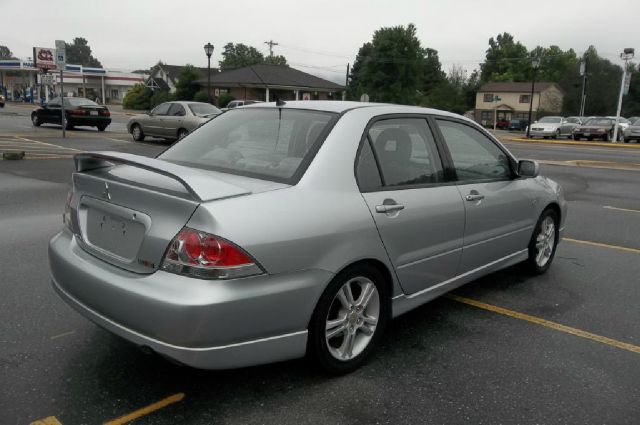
(201, 96)
(138, 97)
(160, 97)
(224, 99)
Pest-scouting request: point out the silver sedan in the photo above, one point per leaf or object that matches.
(171, 120)
(275, 231)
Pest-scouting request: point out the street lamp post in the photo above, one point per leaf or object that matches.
(626, 56)
(208, 50)
(535, 63)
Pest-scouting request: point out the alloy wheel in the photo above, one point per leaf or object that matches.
(352, 318)
(545, 241)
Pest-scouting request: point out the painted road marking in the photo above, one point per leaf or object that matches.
(146, 410)
(63, 334)
(567, 142)
(629, 166)
(546, 323)
(35, 149)
(620, 209)
(562, 148)
(603, 245)
(50, 420)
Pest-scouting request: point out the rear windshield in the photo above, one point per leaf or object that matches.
(203, 109)
(79, 101)
(268, 143)
(551, 119)
(599, 121)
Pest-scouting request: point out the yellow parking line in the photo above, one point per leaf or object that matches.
(63, 334)
(620, 209)
(50, 420)
(603, 245)
(547, 323)
(146, 410)
(45, 143)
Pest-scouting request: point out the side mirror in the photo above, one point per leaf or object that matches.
(528, 168)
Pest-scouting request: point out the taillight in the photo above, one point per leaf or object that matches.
(205, 256)
(78, 111)
(66, 217)
(105, 112)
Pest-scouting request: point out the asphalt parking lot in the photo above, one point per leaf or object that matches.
(509, 348)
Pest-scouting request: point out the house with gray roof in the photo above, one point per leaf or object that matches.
(268, 82)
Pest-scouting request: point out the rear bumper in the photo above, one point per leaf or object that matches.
(88, 121)
(204, 324)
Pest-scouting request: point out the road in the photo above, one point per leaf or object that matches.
(509, 348)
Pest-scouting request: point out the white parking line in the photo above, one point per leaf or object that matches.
(608, 207)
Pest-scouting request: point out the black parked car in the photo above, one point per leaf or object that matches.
(517, 124)
(597, 128)
(78, 111)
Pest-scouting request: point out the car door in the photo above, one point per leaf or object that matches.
(418, 213)
(51, 112)
(499, 207)
(153, 126)
(173, 120)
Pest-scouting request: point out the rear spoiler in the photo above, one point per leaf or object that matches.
(200, 187)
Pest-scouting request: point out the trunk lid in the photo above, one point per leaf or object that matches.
(127, 209)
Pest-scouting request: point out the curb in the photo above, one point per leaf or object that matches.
(574, 143)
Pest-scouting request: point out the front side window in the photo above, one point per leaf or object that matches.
(162, 109)
(268, 143)
(406, 152)
(176, 110)
(474, 155)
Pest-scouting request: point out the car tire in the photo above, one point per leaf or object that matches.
(35, 120)
(102, 127)
(344, 329)
(557, 136)
(182, 133)
(545, 237)
(137, 133)
(576, 138)
(68, 125)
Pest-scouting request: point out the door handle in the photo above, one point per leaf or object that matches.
(474, 197)
(389, 208)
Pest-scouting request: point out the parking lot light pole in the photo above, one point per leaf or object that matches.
(208, 50)
(535, 63)
(626, 56)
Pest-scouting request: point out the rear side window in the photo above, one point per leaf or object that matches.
(268, 143)
(406, 152)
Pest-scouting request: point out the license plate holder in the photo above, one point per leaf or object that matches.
(93, 113)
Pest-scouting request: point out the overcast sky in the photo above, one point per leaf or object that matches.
(319, 37)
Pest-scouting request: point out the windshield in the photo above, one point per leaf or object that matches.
(203, 109)
(79, 101)
(599, 122)
(550, 120)
(273, 144)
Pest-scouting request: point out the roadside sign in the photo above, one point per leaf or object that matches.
(61, 55)
(627, 83)
(44, 57)
(47, 79)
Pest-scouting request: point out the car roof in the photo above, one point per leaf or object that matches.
(339, 106)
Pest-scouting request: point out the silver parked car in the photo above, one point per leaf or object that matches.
(547, 127)
(569, 123)
(275, 231)
(171, 120)
(632, 132)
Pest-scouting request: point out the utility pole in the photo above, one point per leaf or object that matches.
(583, 72)
(271, 43)
(626, 56)
(346, 84)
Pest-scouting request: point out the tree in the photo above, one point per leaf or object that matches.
(79, 53)
(138, 97)
(239, 55)
(506, 60)
(392, 68)
(603, 85)
(186, 87)
(276, 60)
(5, 53)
